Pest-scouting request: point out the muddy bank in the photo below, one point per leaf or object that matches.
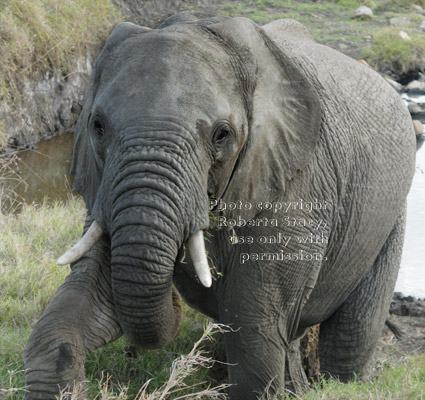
(45, 108)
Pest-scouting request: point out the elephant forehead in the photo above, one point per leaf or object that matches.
(169, 71)
(166, 55)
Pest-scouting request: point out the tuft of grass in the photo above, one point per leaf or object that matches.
(397, 5)
(42, 36)
(185, 367)
(390, 51)
(9, 181)
(29, 245)
(129, 366)
(182, 370)
(395, 382)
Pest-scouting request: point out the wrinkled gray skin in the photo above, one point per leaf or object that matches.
(223, 107)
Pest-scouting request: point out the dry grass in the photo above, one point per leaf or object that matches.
(38, 36)
(9, 180)
(176, 387)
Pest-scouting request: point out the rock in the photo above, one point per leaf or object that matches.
(400, 21)
(413, 309)
(363, 12)
(407, 306)
(419, 128)
(417, 87)
(342, 47)
(404, 35)
(422, 26)
(399, 296)
(395, 85)
(414, 108)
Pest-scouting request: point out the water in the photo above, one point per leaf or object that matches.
(46, 173)
(411, 278)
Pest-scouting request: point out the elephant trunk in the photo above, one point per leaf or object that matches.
(156, 208)
(142, 259)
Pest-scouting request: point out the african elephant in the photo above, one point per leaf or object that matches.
(305, 157)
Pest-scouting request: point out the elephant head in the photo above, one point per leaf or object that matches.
(173, 116)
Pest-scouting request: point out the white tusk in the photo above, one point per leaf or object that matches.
(85, 244)
(199, 258)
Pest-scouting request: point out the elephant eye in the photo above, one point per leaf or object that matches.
(99, 128)
(222, 131)
(222, 134)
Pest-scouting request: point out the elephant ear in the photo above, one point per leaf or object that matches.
(285, 119)
(86, 170)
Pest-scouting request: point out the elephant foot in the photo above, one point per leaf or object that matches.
(58, 372)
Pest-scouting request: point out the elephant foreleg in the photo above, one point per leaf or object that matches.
(79, 318)
(256, 361)
(348, 337)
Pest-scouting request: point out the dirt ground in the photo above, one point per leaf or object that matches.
(408, 314)
(152, 13)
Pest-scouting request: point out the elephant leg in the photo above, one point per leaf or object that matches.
(256, 361)
(349, 336)
(79, 318)
(295, 376)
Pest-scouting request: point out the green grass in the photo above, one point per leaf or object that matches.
(30, 243)
(395, 382)
(263, 11)
(331, 24)
(390, 50)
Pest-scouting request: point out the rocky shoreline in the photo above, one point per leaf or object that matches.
(407, 315)
(413, 95)
(407, 306)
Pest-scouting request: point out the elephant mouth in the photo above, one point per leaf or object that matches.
(195, 244)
